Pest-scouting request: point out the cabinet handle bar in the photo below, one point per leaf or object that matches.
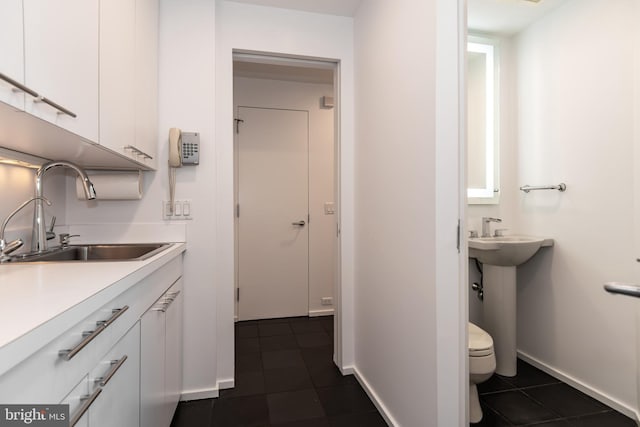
(18, 85)
(116, 364)
(60, 108)
(68, 354)
(85, 406)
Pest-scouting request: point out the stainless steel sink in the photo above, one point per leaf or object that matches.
(106, 252)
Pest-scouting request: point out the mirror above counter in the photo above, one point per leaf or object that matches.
(483, 124)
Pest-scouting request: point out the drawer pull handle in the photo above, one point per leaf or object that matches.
(115, 365)
(165, 301)
(173, 295)
(68, 354)
(88, 400)
(138, 152)
(19, 86)
(60, 108)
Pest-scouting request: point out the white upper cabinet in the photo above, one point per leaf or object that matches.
(89, 70)
(146, 95)
(11, 46)
(61, 63)
(129, 78)
(117, 83)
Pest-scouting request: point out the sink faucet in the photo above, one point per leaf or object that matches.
(39, 237)
(486, 225)
(7, 247)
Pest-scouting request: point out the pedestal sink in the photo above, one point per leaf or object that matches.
(500, 256)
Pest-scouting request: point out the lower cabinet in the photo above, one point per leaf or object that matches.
(120, 366)
(161, 358)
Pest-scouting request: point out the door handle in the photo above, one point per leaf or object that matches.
(299, 223)
(628, 289)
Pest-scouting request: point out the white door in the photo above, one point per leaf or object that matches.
(273, 201)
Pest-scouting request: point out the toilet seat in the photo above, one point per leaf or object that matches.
(480, 342)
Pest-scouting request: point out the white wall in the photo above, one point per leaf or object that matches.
(285, 32)
(405, 245)
(280, 94)
(18, 186)
(574, 123)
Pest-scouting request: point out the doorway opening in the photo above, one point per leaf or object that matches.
(286, 189)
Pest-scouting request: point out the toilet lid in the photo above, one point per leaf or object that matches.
(480, 342)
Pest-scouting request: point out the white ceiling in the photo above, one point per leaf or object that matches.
(507, 17)
(329, 7)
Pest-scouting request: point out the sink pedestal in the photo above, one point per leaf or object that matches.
(499, 307)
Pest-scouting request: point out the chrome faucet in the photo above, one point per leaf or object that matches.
(486, 225)
(39, 237)
(7, 247)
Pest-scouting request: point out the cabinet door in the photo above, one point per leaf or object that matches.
(117, 64)
(152, 361)
(11, 46)
(61, 62)
(173, 348)
(76, 399)
(117, 374)
(147, 79)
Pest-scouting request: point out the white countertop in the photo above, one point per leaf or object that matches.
(38, 301)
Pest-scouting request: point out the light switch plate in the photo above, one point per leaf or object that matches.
(329, 208)
(182, 210)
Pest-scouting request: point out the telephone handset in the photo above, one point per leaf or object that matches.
(175, 148)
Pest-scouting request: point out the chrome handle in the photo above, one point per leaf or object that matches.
(623, 289)
(138, 151)
(173, 295)
(18, 85)
(299, 223)
(115, 365)
(560, 187)
(60, 108)
(68, 354)
(88, 401)
(160, 306)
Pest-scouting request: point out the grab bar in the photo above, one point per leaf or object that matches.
(560, 187)
(623, 289)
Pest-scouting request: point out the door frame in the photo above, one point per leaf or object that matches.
(296, 60)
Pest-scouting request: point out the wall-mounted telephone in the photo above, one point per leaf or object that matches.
(175, 148)
(184, 148)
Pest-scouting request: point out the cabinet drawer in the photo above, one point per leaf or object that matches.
(75, 399)
(116, 375)
(46, 377)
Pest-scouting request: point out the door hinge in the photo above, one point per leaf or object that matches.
(337, 230)
(237, 294)
(458, 237)
(238, 121)
(237, 210)
(308, 218)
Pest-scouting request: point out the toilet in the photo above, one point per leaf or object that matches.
(482, 364)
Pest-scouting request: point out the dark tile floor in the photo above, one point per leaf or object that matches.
(285, 377)
(533, 398)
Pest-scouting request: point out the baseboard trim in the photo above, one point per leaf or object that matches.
(225, 384)
(373, 396)
(318, 313)
(574, 382)
(207, 393)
